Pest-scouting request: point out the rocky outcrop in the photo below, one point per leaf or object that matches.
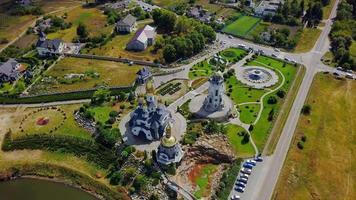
(213, 149)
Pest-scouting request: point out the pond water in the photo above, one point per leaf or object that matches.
(35, 189)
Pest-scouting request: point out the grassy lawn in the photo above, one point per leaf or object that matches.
(242, 26)
(116, 47)
(325, 168)
(241, 150)
(241, 93)
(96, 73)
(93, 18)
(307, 40)
(69, 126)
(249, 112)
(260, 28)
(233, 54)
(263, 126)
(202, 178)
(202, 69)
(101, 113)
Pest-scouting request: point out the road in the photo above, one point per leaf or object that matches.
(264, 179)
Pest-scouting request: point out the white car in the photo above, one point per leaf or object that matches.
(246, 171)
(277, 50)
(235, 197)
(244, 176)
(349, 75)
(274, 55)
(241, 45)
(252, 162)
(230, 36)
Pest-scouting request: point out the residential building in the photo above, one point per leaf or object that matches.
(47, 47)
(143, 38)
(199, 13)
(149, 122)
(10, 71)
(127, 24)
(268, 7)
(143, 75)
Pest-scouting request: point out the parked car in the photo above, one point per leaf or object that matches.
(294, 62)
(240, 184)
(230, 36)
(349, 71)
(276, 50)
(274, 55)
(242, 180)
(340, 69)
(240, 189)
(246, 171)
(349, 75)
(251, 162)
(336, 74)
(235, 197)
(248, 166)
(241, 45)
(245, 176)
(258, 159)
(286, 59)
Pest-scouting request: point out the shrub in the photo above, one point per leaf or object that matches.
(113, 113)
(304, 138)
(272, 100)
(281, 93)
(300, 145)
(306, 110)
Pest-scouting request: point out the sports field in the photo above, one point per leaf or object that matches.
(242, 26)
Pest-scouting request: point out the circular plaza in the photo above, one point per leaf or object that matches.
(256, 77)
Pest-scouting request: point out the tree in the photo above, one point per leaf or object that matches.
(100, 96)
(272, 100)
(115, 178)
(139, 182)
(82, 31)
(281, 93)
(169, 53)
(246, 139)
(154, 196)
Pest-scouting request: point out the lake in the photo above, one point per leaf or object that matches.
(37, 189)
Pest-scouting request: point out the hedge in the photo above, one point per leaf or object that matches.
(88, 149)
(228, 180)
(76, 95)
(67, 175)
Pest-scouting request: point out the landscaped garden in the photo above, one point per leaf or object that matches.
(172, 90)
(218, 62)
(320, 159)
(73, 74)
(239, 142)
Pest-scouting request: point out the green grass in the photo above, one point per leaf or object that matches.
(233, 54)
(241, 93)
(202, 69)
(263, 126)
(256, 32)
(249, 112)
(242, 26)
(101, 113)
(326, 163)
(307, 40)
(241, 150)
(203, 180)
(108, 75)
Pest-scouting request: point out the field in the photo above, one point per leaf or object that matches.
(325, 167)
(201, 177)
(242, 150)
(13, 26)
(30, 126)
(93, 73)
(307, 40)
(92, 18)
(116, 47)
(242, 26)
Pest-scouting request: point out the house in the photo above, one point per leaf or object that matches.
(126, 25)
(143, 75)
(199, 13)
(268, 7)
(10, 71)
(47, 47)
(143, 38)
(149, 122)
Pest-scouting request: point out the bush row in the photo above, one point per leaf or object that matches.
(80, 147)
(170, 89)
(87, 94)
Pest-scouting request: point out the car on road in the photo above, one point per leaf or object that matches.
(240, 184)
(235, 197)
(242, 180)
(248, 166)
(246, 171)
(274, 55)
(240, 189)
(251, 162)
